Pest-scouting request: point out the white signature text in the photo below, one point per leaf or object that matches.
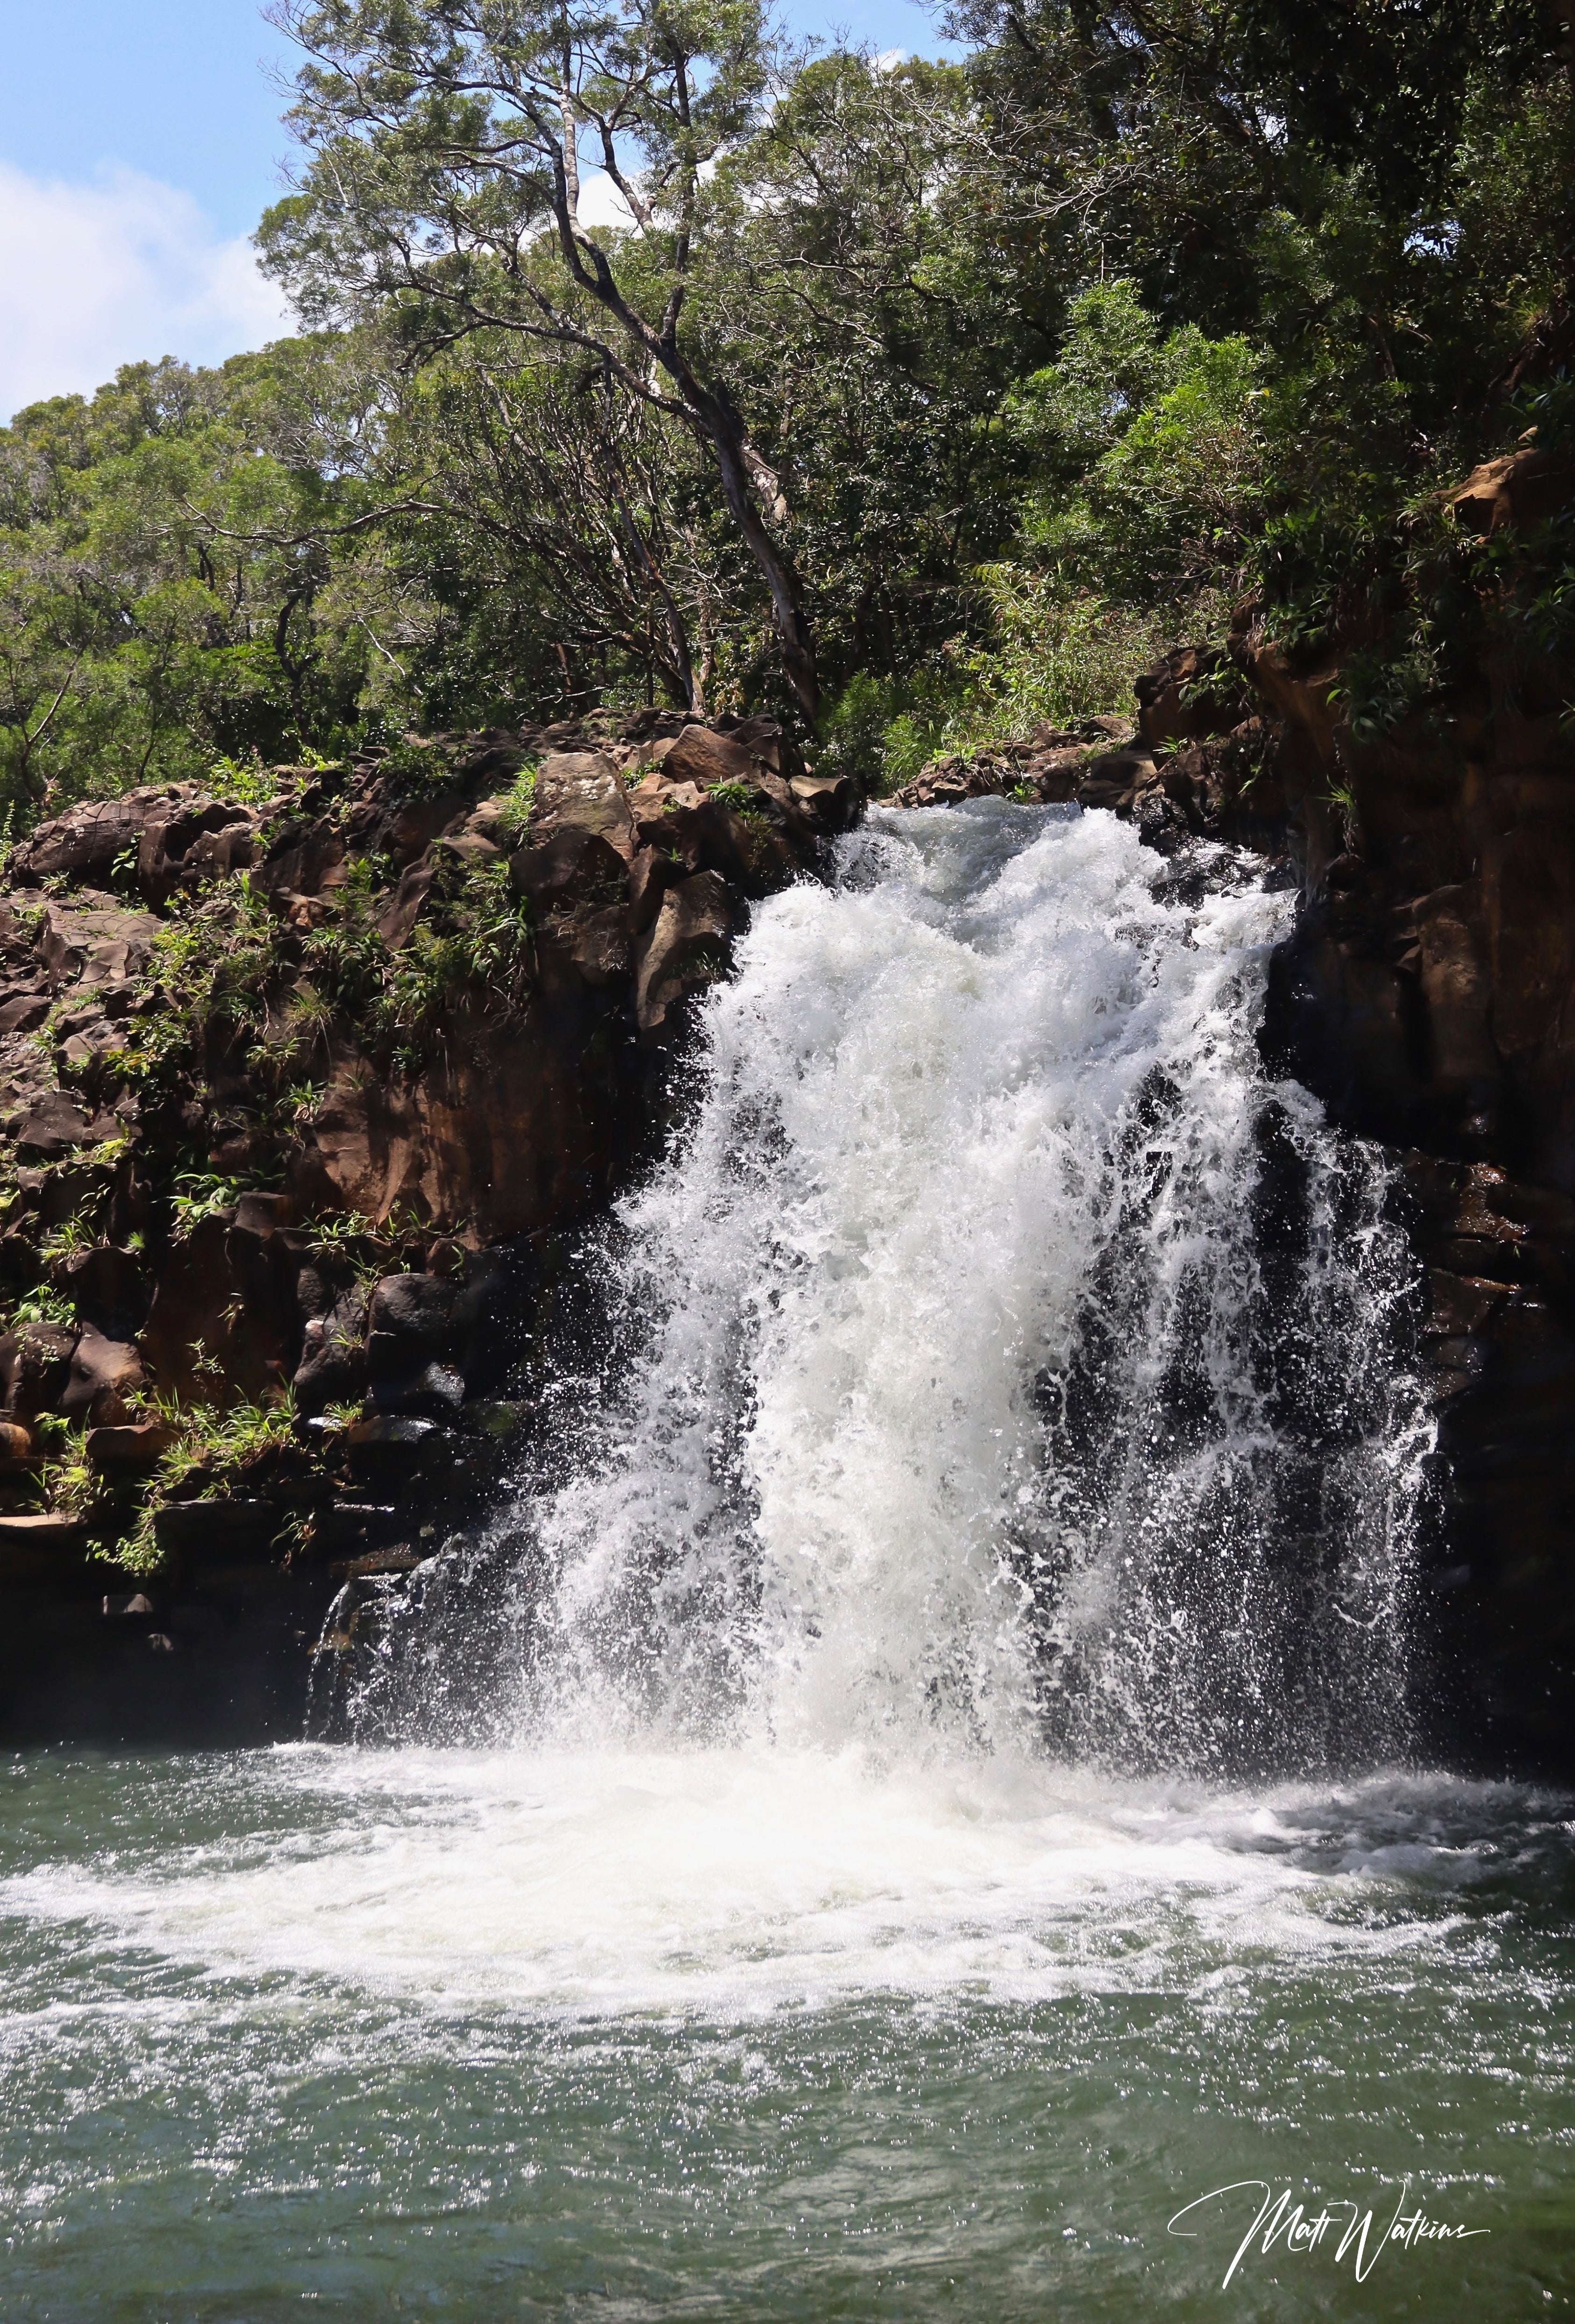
(1341, 2228)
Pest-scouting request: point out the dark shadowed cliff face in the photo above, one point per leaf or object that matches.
(299, 1094)
(1428, 996)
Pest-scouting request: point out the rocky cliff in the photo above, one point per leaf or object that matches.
(300, 1092)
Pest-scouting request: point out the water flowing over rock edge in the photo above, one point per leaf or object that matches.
(999, 1357)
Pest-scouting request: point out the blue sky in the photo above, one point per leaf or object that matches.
(139, 141)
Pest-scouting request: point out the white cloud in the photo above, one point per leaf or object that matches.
(124, 268)
(602, 203)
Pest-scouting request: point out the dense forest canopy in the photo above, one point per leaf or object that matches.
(917, 401)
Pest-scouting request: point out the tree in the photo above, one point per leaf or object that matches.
(448, 139)
(549, 483)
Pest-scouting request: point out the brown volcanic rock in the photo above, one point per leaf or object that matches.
(224, 1298)
(35, 1364)
(304, 859)
(702, 757)
(88, 840)
(105, 1376)
(497, 1124)
(584, 791)
(175, 834)
(106, 945)
(506, 1139)
(590, 948)
(1520, 488)
(574, 865)
(132, 1447)
(686, 949)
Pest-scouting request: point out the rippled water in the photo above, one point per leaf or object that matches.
(779, 2034)
(912, 1793)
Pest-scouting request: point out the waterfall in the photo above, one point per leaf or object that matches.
(999, 1359)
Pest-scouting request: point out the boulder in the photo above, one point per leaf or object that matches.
(390, 1429)
(654, 802)
(749, 853)
(224, 1298)
(41, 1548)
(1114, 779)
(104, 945)
(412, 1320)
(589, 948)
(109, 1289)
(435, 1392)
(652, 873)
(398, 918)
(187, 838)
(304, 859)
(87, 841)
(105, 1375)
(35, 1366)
(218, 1531)
(54, 1125)
(263, 1214)
(392, 1448)
(1519, 490)
(23, 1014)
(767, 743)
(333, 1364)
(574, 865)
(415, 824)
(17, 1448)
(699, 755)
(132, 1447)
(686, 949)
(584, 789)
(830, 801)
(1195, 692)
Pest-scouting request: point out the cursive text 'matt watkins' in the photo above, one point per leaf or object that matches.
(1340, 2229)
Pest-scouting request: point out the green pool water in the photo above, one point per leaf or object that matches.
(753, 2034)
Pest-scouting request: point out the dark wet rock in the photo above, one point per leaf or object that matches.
(830, 801)
(412, 1320)
(224, 1301)
(333, 1365)
(216, 1532)
(592, 949)
(574, 865)
(453, 1159)
(390, 1430)
(652, 873)
(435, 1392)
(36, 1548)
(304, 859)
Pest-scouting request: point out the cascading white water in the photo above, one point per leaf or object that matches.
(998, 1358)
